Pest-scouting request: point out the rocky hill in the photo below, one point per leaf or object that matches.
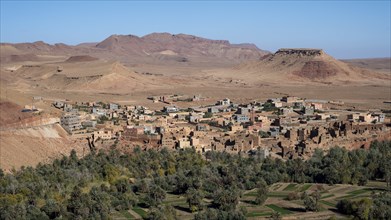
(312, 65)
(187, 46)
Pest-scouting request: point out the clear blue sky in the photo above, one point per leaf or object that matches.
(345, 29)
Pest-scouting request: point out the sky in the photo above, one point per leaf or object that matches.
(344, 29)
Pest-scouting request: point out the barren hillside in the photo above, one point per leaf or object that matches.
(375, 64)
(306, 66)
(79, 73)
(186, 46)
(27, 139)
(27, 146)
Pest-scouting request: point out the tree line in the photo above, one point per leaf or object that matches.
(94, 186)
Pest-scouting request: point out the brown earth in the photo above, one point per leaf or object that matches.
(81, 58)
(90, 76)
(316, 70)
(308, 74)
(128, 69)
(27, 139)
(20, 58)
(375, 64)
(11, 113)
(29, 146)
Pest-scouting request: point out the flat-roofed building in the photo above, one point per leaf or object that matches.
(184, 143)
(103, 135)
(71, 122)
(168, 142)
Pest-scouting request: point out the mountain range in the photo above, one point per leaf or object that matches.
(160, 48)
(124, 63)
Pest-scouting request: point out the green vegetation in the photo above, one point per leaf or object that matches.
(263, 134)
(359, 209)
(276, 216)
(360, 191)
(290, 187)
(102, 119)
(270, 194)
(278, 194)
(293, 196)
(305, 187)
(100, 103)
(208, 115)
(140, 211)
(327, 196)
(261, 193)
(163, 184)
(126, 214)
(276, 186)
(258, 214)
(311, 202)
(269, 107)
(160, 113)
(327, 203)
(279, 209)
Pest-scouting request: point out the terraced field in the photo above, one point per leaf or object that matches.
(293, 209)
(277, 201)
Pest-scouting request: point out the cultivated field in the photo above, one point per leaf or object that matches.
(281, 199)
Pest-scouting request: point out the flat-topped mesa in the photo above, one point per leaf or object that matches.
(300, 51)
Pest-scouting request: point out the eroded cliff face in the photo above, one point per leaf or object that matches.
(316, 70)
(182, 45)
(28, 146)
(292, 56)
(300, 52)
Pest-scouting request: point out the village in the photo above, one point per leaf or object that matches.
(287, 127)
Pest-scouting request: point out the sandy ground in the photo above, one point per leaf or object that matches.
(28, 147)
(365, 97)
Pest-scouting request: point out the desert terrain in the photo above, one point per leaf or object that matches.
(127, 69)
(376, 64)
